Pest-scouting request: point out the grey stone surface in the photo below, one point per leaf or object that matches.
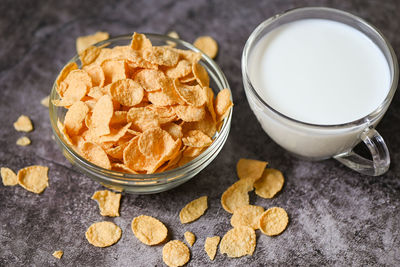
(337, 217)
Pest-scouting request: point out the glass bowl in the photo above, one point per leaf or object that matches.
(145, 183)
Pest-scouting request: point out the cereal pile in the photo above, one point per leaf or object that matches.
(139, 108)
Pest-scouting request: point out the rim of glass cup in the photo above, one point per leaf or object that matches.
(122, 178)
(366, 119)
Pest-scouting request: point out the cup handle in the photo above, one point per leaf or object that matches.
(380, 155)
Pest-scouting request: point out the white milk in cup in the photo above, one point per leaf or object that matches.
(319, 80)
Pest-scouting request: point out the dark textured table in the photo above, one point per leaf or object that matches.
(337, 217)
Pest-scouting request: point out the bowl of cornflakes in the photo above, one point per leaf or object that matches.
(141, 113)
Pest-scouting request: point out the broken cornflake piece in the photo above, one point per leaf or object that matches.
(23, 124)
(193, 210)
(8, 177)
(273, 221)
(84, 42)
(250, 168)
(23, 141)
(190, 238)
(207, 45)
(173, 34)
(238, 242)
(149, 230)
(270, 183)
(237, 195)
(108, 202)
(45, 101)
(103, 234)
(175, 253)
(33, 178)
(248, 215)
(211, 245)
(58, 254)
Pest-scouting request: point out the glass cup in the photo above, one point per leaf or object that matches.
(146, 183)
(318, 142)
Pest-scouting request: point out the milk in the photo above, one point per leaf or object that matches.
(320, 72)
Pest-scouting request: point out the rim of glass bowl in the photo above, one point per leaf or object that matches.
(371, 117)
(125, 179)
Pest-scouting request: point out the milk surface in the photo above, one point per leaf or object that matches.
(319, 71)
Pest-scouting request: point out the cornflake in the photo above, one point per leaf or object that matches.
(58, 254)
(103, 234)
(8, 177)
(270, 183)
(108, 202)
(236, 196)
(23, 124)
(247, 216)
(193, 210)
(45, 101)
(149, 230)
(250, 168)
(33, 178)
(238, 242)
(190, 238)
(208, 45)
(138, 108)
(84, 42)
(211, 245)
(273, 221)
(23, 141)
(175, 253)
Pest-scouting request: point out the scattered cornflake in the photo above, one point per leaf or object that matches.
(175, 253)
(238, 242)
(237, 195)
(23, 141)
(208, 45)
(270, 183)
(193, 210)
(273, 221)
(45, 101)
(250, 168)
(211, 245)
(84, 42)
(190, 238)
(58, 254)
(23, 124)
(108, 202)
(34, 178)
(103, 234)
(8, 177)
(248, 215)
(149, 230)
(173, 34)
